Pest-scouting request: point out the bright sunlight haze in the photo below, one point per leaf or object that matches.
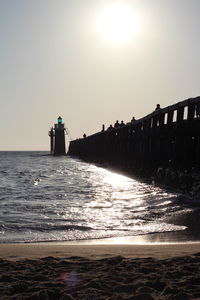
(117, 23)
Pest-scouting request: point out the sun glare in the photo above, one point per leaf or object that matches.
(116, 180)
(118, 23)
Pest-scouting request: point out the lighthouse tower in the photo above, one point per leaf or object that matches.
(57, 138)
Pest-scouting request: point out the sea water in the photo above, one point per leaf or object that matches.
(45, 198)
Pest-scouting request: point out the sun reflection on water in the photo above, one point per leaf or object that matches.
(116, 180)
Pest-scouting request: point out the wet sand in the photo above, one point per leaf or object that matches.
(63, 271)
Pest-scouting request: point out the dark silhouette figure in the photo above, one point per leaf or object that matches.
(110, 127)
(122, 123)
(157, 107)
(84, 136)
(116, 124)
(133, 119)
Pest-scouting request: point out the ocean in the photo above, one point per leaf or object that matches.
(58, 199)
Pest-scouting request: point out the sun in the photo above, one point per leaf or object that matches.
(117, 23)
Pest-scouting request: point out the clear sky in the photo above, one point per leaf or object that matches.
(56, 58)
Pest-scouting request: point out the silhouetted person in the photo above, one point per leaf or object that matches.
(122, 123)
(110, 127)
(116, 124)
(103, 128)
(84, 136)
(133, 119)
(157, 107)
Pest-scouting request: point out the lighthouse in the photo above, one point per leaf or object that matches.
(57, 138)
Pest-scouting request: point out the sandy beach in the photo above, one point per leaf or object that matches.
(63, 271)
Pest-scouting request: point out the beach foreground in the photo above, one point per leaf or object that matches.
(156, 271)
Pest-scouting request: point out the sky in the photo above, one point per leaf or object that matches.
(55, 59)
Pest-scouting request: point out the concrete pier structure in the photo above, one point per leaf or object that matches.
(57, 138)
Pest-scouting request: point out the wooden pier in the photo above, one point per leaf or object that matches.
(166, 138)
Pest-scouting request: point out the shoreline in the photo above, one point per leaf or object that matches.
(189, 235)
(158, 250)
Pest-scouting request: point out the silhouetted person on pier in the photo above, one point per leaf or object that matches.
(122, 123)
(110, 127)
(157, 107)
(84, 136)
(116, 124)
(133, 119)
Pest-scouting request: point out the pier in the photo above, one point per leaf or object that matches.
(167, 138)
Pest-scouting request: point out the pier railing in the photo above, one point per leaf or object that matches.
(168, 137)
